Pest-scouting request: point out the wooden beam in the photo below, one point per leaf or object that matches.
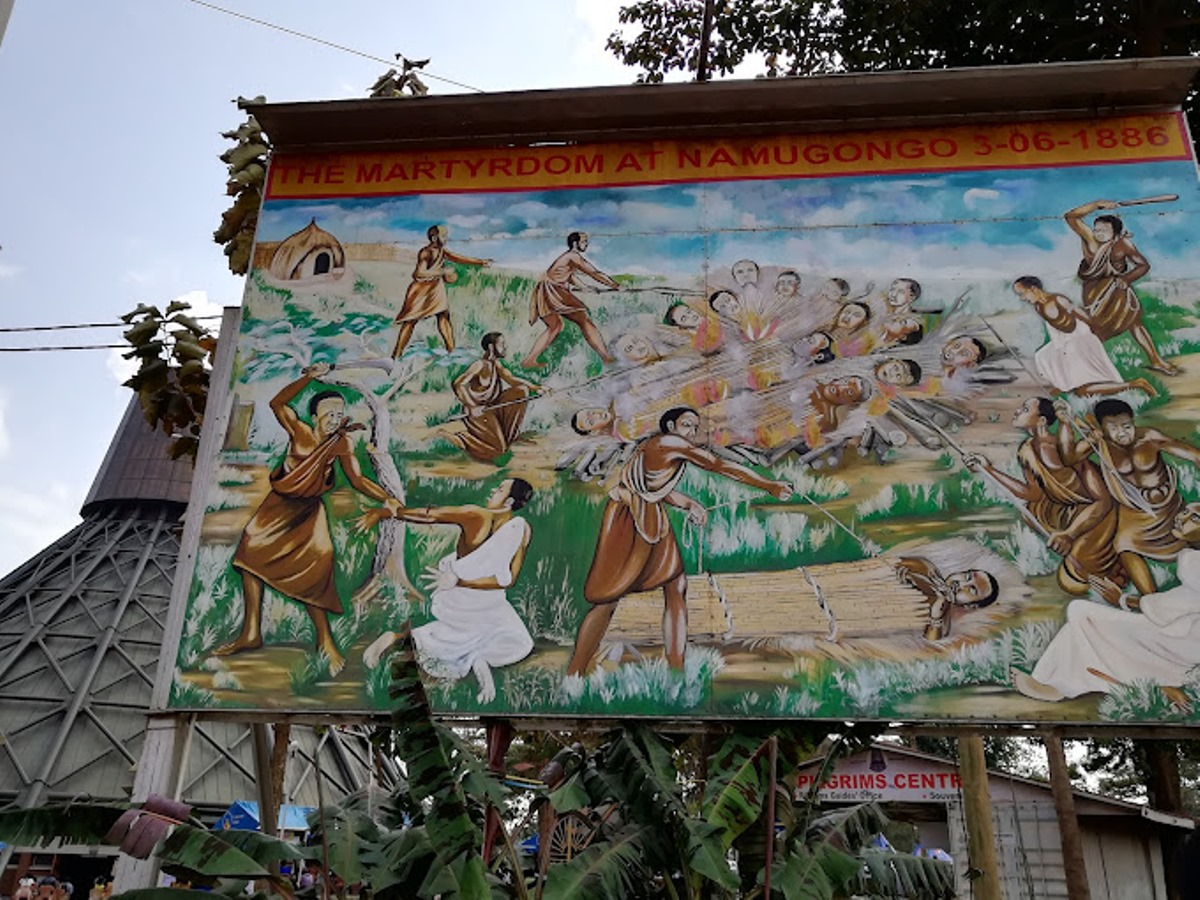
(1074, 866)
(984, 872)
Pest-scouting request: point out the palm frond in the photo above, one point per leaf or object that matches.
(75, 823)
(613, 868)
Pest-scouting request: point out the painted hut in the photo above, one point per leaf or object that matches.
(310, 253)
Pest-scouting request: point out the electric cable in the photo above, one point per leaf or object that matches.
(21, 329)
(317, 40)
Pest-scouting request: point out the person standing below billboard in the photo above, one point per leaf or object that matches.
(426, 294)
(636, 549)
(287, 543)
(1110, 266)
(554, 300)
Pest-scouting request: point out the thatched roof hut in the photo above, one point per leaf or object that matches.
(309, 253)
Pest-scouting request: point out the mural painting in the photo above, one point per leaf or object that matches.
(894, 425)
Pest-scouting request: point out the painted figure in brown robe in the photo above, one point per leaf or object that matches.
(1070, 501)
(287, 544)
(636, 549)
(426, 294)
(494, 402)
(1110, 265)
(1143, 487)
(554, 300)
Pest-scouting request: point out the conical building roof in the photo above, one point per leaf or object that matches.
(81, 630)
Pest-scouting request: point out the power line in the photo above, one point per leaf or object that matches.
(317, 40)
(71, 347)
(22, 329)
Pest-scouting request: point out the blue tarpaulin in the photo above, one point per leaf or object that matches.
(243, 814)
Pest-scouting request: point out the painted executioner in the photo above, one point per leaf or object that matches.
(554, 300)
(1110, 265)
(636, 549)
(287, 544)
(494, 402)
(426, 294)
(1144, 488)
(474, 627)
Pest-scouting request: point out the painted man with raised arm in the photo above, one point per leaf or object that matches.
(287, 544)
(636, 549)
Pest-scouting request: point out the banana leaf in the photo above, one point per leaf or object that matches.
(76, 823)
(613, 868)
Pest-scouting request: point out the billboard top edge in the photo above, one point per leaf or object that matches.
(883, 98)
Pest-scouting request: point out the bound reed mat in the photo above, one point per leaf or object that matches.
(861, 599)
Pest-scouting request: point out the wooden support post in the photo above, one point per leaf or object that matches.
(977, 810)
(773, 778)
(268, 803)
(1068, 823)
(499, 739)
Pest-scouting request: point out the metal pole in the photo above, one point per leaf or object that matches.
(1074, 866)
(977, 810)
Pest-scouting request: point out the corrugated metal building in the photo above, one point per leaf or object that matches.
(81, 628)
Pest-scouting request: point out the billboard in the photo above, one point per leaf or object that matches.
(891, 424)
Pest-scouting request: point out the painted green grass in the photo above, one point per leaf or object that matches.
(305, 678)
(959, 491)
(873, 689)
(186, 694)
(1143, 701)
(647, 688)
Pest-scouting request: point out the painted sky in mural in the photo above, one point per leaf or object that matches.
(888, 425)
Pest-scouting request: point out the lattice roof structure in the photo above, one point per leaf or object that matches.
(81, 629)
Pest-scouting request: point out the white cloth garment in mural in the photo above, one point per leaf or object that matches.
(1161, 643)
(476, 629)
(1074, 358)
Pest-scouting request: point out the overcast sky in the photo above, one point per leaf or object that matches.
(110, 186)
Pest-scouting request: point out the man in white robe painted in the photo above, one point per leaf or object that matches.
(474, 627)
(1102, 645)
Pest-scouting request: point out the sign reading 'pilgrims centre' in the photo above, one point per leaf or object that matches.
(886, 424)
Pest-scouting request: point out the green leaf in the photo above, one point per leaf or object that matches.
(799, 876)
(164, 893)
(266, 849)
(208, 854)
(570, 795)
(607, 869)
(737, 786)
(74, 823)
(403, 858)
(142, 332)
(464, 879)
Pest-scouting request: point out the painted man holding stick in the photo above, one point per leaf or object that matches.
(554, 300)
(636, 549)
(1110, 265)
(493, 401)
(1070, 502)
(287, 543)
